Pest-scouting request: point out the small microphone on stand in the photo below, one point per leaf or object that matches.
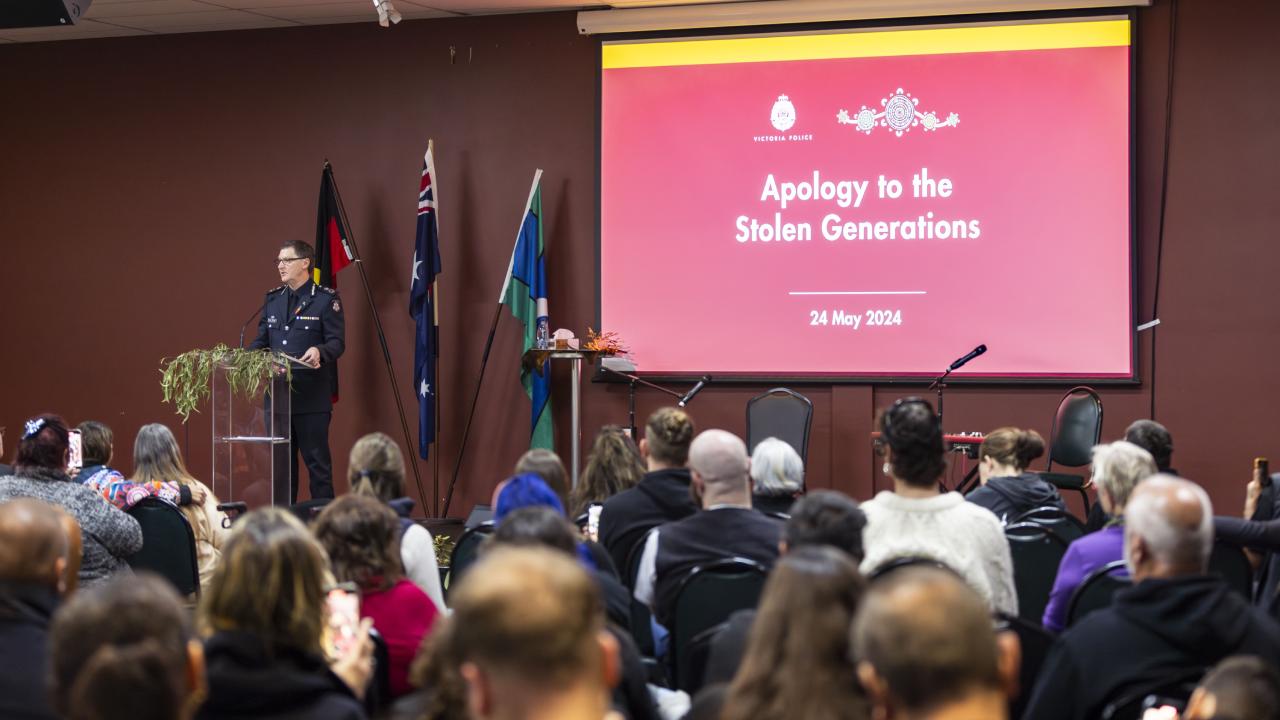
(964, 360)
(697, 388)
(245, 326)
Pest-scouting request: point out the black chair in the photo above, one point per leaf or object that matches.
(168, 545)
(466, 550)
(308, 510)
(1064, 524)
(781, 413)
(1229, 562)
(698, 654)
(706, 597)
(1036, 551)
(1077, 427)
(1097, 590)
(1133, 704)
(889, 566)
(1036, 643)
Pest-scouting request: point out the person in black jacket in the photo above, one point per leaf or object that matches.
(661, 496)
(34, 553)
(1007, 489)
(1174, 623)
(265, 608)
(304, 320)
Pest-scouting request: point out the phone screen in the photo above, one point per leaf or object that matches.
(75, 452)
(343, 623)
(593, 522)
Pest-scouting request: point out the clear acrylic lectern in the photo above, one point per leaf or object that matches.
(251, 442)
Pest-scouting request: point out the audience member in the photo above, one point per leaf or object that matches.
(442, 693)
(98, 447)
(157, 459)
(777, 476)
(1175, 620)
(362, 537)
(546, 465)
(528, 628)
(545, 528)
(916, 519)
(376, 468)
(265, 615)
(663, 492)
(1155, 439)
(725, 527)
(126, 652)
(823, 518)
(798, 663)
(34, 554)
(529, 490)
(925, 647)
(40, 470)
(1008, 490)
(1239, 688)
(1117, 468)
(613, 466)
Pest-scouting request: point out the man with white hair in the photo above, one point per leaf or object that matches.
(1176, 621)
(726, 526)
(777, 476)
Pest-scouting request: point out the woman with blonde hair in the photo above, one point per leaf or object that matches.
(264, 615)
(614, 465)
(376, 468)
(156, 459)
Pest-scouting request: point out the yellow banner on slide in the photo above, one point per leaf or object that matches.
(868, 43)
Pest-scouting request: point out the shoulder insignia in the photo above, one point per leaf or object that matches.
(276, 289)
(329, 290)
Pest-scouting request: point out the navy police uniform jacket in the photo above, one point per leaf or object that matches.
(292, 322)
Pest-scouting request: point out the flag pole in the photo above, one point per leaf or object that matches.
(377, 321)
(488, 345)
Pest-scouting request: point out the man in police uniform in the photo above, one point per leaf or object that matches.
(304, 320)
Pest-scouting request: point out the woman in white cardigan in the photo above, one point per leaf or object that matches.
(376, 468)
(916, 519)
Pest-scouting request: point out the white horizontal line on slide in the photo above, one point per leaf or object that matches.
(856, 292)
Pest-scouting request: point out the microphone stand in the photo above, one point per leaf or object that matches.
(940, 383)
(632, 381)
(245, 326)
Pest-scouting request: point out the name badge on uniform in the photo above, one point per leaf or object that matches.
(272, 320)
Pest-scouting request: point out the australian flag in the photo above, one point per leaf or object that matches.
(422, 306)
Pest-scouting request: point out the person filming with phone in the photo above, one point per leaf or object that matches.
(304, 320)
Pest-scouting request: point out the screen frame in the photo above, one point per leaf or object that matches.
(1058, 380)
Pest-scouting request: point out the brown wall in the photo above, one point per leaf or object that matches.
(146, 182)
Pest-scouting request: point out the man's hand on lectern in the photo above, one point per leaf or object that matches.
(311, 357)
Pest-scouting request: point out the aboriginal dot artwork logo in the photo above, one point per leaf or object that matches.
(899, 113)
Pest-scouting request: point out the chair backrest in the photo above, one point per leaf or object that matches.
(1230, 563)
(1097, 589)
(466, 550)
(1077, 427)
(698, 654)
(781, 413)
(706, 597)
(889, 566)
(378, 695)
(308, 510)
(1035, 644)
(1133, 704)
(1037, 551)
(1064, 524)
(168, 545)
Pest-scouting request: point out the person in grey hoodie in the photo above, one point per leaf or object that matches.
(1008, 490)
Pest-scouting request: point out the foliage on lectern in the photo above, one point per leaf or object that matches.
(185, 379)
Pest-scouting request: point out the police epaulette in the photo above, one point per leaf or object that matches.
(329, 290)
(277, 289)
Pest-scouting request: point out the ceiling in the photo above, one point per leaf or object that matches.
(115, 18)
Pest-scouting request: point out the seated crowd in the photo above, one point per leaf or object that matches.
(683, 575)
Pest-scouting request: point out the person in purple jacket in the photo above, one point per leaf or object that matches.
(1117, 468)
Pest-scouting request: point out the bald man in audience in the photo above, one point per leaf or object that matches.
(35, 553)
(725, 527)
(528, 629)
(927, 650)
(1176, 621)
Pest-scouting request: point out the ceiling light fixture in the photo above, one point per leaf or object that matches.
(387, 13)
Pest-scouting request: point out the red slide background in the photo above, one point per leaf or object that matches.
(1040, 158)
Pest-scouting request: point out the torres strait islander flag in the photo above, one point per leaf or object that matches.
(525, 294)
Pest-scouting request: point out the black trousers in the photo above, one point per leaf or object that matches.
(310, 438)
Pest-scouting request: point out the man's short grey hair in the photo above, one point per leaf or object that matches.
(776, 468)
(1146, 517)
(1118, 467)
(719, 456)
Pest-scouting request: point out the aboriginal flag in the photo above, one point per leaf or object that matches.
(333, 248)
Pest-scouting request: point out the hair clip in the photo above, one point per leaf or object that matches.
(33, 426)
